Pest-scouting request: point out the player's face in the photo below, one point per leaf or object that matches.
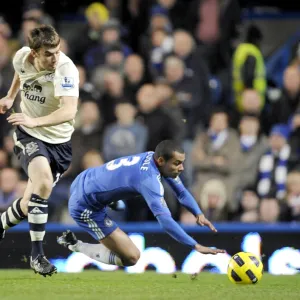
(174, 166)
(48, 58)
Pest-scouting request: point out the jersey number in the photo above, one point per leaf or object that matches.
(124, 162)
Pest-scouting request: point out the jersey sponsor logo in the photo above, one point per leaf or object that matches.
(67, 83)
(32, 91)
(31, 148)
(36, 210)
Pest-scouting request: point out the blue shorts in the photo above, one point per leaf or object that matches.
(96, 222)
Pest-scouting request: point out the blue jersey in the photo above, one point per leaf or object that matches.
(126, 178)
(132, 176)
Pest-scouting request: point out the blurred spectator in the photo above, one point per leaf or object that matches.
(292, 200)
(6, 68)
(213, 200)
(160, 125)
(248, 206)
(28, 24)
(3, 159)
(88, 135)
(114, 58)
(251, 104)
(9, 179)
(6, 73)
(135, 76)
(126, 136)
(253, 145)
(174, 9)
(97, 15)
(92, 158)
(161, 46)
(5, 29)
(195, 107)
(98, 80)
(287, 104)
(287, 108)
(64, 46)
(169, 103)
(171, 8)
(113, 94)
(214, 25)
(36, 11)
(87, 90)
(159, 22)
(275, 163)
(269, 210)
(110, 36)
(215, 154)
(249, 67)
(186, 49)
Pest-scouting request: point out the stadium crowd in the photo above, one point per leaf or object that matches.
(148, 74)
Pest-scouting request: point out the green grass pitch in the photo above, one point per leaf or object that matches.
(91, 284)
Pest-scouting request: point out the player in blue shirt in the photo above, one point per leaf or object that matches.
(124, 178)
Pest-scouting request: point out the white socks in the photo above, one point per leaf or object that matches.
(97, 252)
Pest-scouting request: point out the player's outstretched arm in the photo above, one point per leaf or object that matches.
(66, 112)
(7, 102)
(176, 232)
(184, 196)
(188, 201)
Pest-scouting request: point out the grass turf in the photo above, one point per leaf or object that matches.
(90, 285)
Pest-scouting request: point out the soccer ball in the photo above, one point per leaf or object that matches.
(245, 268)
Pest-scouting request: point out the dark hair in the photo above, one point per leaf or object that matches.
(254, 35)
(43, 36)
(166, 149)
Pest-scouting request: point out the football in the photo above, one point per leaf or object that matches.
(245, 268)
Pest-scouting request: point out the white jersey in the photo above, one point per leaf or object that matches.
(41, 92)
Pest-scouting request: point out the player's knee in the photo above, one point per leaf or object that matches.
(132, 259)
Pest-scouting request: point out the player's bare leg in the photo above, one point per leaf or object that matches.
(115, 249)
(41, 179)
(120, 244)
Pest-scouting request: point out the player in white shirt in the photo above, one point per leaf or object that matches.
(49, 85)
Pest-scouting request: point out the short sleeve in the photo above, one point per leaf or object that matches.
(153, 192)
(66, 81)
(18, 58)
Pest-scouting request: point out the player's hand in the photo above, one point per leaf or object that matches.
(207, 250)
(5, 104)
(202, 221)
(22, 119)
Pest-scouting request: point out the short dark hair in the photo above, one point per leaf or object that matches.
(167, 148)
(43, 36)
